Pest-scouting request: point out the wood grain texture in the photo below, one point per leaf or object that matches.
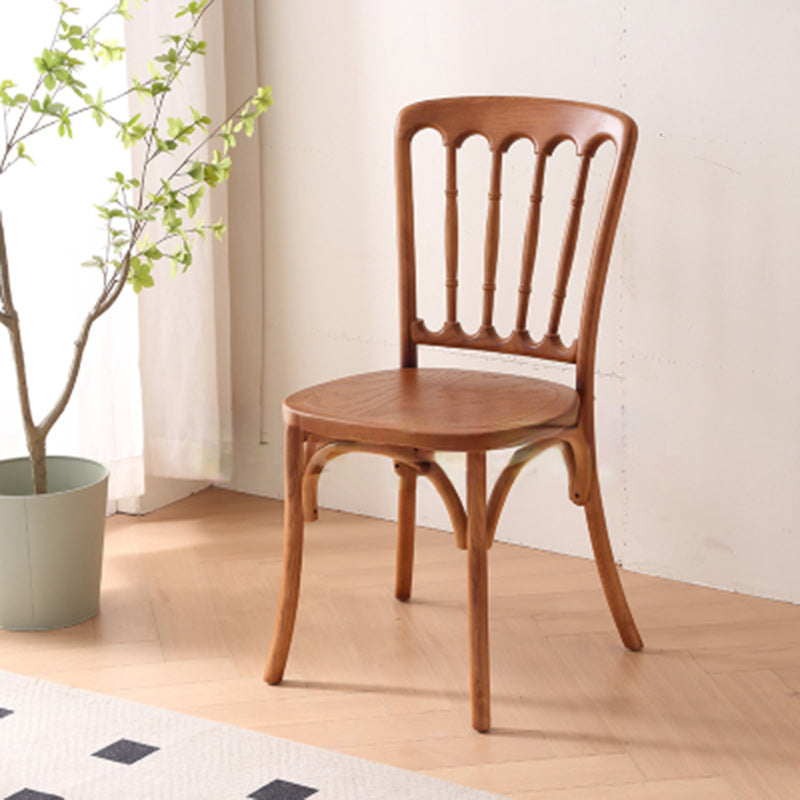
(434, 409)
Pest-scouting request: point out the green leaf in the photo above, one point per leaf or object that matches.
(193, 201)
(139, 276)
(6, 99)
(193, 8)
(196, 171)
(211, 175)
(132, 131)
(151, 252)
(263, 98)
(21, 152)
(107, 51)
(196, 47)
(176, 129)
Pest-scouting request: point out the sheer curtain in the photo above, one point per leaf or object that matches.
(185, 321)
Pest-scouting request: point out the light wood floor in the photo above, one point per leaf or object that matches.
(710, 709)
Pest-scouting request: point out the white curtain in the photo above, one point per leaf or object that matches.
(185, 321)
(51, 227)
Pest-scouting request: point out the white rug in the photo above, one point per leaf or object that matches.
(58, 743)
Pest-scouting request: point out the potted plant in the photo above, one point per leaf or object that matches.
(50, 543)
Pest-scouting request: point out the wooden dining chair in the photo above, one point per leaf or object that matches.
(410, 413)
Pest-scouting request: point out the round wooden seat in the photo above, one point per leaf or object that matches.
(436, 409)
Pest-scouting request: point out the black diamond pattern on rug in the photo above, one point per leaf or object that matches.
(282, 790)
(125, 751)
(32, 794)
(4, 712)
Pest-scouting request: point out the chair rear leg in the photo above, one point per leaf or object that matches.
(406, 522)
(292, 557)
(609, 576)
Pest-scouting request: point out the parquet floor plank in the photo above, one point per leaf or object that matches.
(692, 789)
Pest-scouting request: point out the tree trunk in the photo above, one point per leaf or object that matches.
(38, 458)
(34, 435)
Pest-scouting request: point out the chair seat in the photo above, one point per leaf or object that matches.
(436, 409)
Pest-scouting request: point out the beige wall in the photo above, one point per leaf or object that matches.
(697, 383)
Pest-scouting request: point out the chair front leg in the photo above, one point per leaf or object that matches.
(292, 556)
(406, 522)
(478, 578)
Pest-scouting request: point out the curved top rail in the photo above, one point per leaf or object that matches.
(503, 120)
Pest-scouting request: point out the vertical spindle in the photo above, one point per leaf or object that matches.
(568, 246)
(451, 236)
(530, 243)
(492, 240)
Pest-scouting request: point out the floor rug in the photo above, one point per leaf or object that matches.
(58, 743)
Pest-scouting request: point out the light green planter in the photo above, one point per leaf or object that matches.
(51, 545)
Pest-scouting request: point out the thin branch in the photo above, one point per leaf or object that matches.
(117, 283)
(5, 282)
(206, 140)
(38, 126)
(10, 142)
(182, 63)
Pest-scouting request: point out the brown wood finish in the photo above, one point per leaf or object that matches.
(293, 555)
(410, 413)
(478, 590)
(406, 517)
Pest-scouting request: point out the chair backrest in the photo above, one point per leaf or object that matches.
(502, 121)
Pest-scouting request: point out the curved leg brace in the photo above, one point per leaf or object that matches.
(420, 461)
(584, 490)
(547, 438)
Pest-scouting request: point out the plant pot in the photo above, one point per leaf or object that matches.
(51, 545)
